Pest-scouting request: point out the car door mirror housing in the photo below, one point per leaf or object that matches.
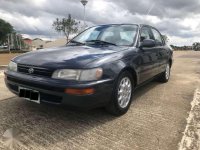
(148, 43)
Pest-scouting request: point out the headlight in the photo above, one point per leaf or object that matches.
(80, 75)
(12, 66)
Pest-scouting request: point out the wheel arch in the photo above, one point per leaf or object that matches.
(133, 74)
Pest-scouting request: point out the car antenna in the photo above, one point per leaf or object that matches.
(149, 10)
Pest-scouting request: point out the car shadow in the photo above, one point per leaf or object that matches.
(144, 89)
(47, 125)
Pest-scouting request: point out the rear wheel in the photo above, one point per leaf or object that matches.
(122, 94)
(164, 77)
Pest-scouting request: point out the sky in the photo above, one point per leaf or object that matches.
(178, 19)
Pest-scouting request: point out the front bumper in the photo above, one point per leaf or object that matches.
(52, 90)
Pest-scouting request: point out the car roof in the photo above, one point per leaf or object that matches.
(140, 25)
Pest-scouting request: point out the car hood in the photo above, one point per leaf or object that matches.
(66, 57)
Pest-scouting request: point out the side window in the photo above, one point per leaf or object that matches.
(157, 37)
(145, 34)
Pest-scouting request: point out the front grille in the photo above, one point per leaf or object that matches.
(32, 70)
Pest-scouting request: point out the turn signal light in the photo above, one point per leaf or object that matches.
(86, 91)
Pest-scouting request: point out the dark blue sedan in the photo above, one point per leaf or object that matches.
(102, 66)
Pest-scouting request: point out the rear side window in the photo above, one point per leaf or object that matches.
(145, 34)
(157, 37)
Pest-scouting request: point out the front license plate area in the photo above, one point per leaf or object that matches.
(29, 94)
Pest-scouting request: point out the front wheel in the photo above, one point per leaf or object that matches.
(164, 77)
(122, 94)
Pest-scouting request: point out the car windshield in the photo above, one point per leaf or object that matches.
(120, 35)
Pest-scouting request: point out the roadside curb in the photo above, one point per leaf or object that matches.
(3, 66)
(8, 98)
(191, 135)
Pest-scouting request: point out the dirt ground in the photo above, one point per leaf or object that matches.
(5, 58)
(156, 119)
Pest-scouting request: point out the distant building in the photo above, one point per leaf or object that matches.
(56, 43)
(28, 43)
(38, 43)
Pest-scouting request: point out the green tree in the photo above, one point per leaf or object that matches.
(66, 25)
(196, 46)
(5, 29)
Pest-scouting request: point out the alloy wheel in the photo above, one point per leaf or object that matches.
(167, 72)
(124, 92)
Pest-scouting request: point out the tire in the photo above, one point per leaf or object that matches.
(122, 95)
(164, 77)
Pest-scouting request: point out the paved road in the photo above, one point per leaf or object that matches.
(155, 121)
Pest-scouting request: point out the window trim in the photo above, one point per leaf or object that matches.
(139, 33)
(163, 41)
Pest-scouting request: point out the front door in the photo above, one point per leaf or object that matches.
(162, 52)
(148, 57)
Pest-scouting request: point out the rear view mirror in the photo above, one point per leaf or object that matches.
(147, 43)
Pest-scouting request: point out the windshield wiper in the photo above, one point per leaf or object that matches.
(76, 42)
(101, 42)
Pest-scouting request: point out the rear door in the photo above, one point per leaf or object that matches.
(148, 57)
(161, 50)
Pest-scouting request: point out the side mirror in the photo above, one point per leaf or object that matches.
(148, 43)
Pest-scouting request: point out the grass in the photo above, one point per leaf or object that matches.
(3, 51)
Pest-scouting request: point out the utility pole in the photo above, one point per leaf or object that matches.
(11, 41)
(8, 43)
(16, 36)
(20, 43)
(84, 2)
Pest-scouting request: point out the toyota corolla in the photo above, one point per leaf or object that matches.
(100, 67)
